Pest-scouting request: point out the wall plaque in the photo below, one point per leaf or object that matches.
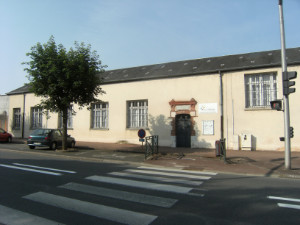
(208, 127)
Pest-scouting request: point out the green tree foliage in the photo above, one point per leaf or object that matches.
(63, 78)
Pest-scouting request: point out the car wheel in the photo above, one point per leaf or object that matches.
(32, 147)
(9, 140)
(53, 146)
(72, 144)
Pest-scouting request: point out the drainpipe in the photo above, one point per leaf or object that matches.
(221, 107)
(222, 141)
(23, 116)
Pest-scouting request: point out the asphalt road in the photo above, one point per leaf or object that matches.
(40, 189)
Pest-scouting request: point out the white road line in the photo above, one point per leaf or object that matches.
(92, 209)
(122, 195)
(161, 179)
(169, 174)
(289, 206)
(141, 184)
(178, 170)
(46, 168)
(11, 216)
(284, 199)
(31, 170)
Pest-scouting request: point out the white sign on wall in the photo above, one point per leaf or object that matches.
(208, 108)
(208, 127)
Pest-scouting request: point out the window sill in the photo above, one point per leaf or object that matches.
(137, 128)
(258, 108)
(106, 129)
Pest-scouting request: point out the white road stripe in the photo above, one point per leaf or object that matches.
(31, 170)
(92, 209)
(122, 195)
(169, 174)
(178, 170)
(11, 216)
(141, 184)
(163, 179)
(289, 206)
(46, 168)
(284, 199)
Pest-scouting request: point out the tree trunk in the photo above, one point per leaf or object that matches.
(65, 129)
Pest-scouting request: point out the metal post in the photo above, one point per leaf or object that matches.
(23, 115)
(222, 140)
(285, 97)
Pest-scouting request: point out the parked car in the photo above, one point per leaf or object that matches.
(4, 136)
(51, 138)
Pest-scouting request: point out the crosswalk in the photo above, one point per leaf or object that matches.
(144, 186)
(92, 209)
(286, 202)
(37, 169)
(9, 216)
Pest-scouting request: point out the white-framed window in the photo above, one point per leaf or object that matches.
(260, 89)
(17, 118)
(70, 119)
(99, 115)
(137, 114)
(36, 117)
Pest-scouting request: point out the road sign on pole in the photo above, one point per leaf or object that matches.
(141, 133)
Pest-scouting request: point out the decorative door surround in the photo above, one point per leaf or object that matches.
(183, 107)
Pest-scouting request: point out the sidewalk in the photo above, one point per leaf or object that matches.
(262, 163)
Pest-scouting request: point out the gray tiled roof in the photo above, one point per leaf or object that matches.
(202, 66)
(246, 61)
(22, 90)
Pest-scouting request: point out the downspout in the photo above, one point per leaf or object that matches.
(222, 140)
(23, 115)
(221, 107)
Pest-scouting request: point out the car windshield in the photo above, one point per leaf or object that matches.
(41, 132)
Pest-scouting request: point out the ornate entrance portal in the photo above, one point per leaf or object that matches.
(183, 130)
(182, 114)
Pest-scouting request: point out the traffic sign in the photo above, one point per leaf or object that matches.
(141, 133)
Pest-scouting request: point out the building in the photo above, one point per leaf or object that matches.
(188, 103)
(4, 107)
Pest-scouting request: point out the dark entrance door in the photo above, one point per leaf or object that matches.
(183, 130)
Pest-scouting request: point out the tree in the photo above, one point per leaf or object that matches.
(63, 78)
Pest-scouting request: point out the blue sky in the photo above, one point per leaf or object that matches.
(128, 33)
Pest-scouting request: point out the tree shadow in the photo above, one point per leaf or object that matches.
(161, 125)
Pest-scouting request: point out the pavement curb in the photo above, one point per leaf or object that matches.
(262, 164)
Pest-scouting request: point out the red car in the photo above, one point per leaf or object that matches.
(4, 136)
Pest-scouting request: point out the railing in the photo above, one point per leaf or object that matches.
(151, 145)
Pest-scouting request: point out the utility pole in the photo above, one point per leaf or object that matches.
(286, 110)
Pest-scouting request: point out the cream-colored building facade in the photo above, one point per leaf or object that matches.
(189, 103)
